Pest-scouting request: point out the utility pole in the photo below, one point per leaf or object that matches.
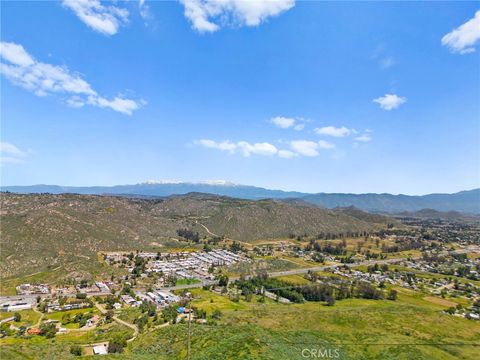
(189, 328)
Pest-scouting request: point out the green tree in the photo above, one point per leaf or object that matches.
(76, 350)
(17, 317)
(48, 330)
(392, 295)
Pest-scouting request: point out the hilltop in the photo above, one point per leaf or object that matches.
(44, 230)
(464, 201)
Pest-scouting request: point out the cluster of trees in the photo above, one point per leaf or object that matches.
(348, 234)
(80, 319)
(402, 245)
(376, 267)
(169, 313)
(278, 287)
(189, 235)
(236, 247)
(117, 343)
(222, 279)
(338, 249)
(315, 292)
(48, 330)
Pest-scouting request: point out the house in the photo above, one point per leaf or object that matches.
(127, 299)
(92, 321)
(34, 331)
(100, 349)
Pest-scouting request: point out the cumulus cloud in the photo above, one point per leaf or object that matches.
(210, 15)
(103, 19)
(333, 131)
(20, 68)
(366, 137)
(310, 148)
(258, 148)
(463, 39)
(390, 101)
(243, 147)
(283, 122)
(224, 145)
(286, 123)
(11, 154)
(305, 147)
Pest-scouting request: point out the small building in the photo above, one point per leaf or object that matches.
(34, 331)
(100, 349)
(17, 304)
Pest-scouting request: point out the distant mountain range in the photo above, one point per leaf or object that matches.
(464, 201)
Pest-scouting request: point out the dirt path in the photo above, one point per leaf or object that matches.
(37, 324)
(120, 321)
(247, 245)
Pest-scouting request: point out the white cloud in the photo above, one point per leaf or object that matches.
(46, 79)
(322, 144)
(15, 54)
(283, 122)
(205, 15)
(333, 131)
(224, 145)
(366, 137)
(103, 19)
(463, 39)
(305, 147)
(258, 148)
(10, 149)
(286, 154)
(390, 101)
(11, 154)
(145, 12)
(286, 123)
(245, 148)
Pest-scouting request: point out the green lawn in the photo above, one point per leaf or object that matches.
(28, 317)
(186, 281)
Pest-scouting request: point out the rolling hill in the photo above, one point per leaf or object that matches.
(44, 230)
(464, 201)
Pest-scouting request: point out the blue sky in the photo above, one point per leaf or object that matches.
(309, 96)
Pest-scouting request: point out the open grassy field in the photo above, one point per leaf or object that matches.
(410, 328)
(28, 317)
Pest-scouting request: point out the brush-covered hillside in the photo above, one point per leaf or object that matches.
(44, 230)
